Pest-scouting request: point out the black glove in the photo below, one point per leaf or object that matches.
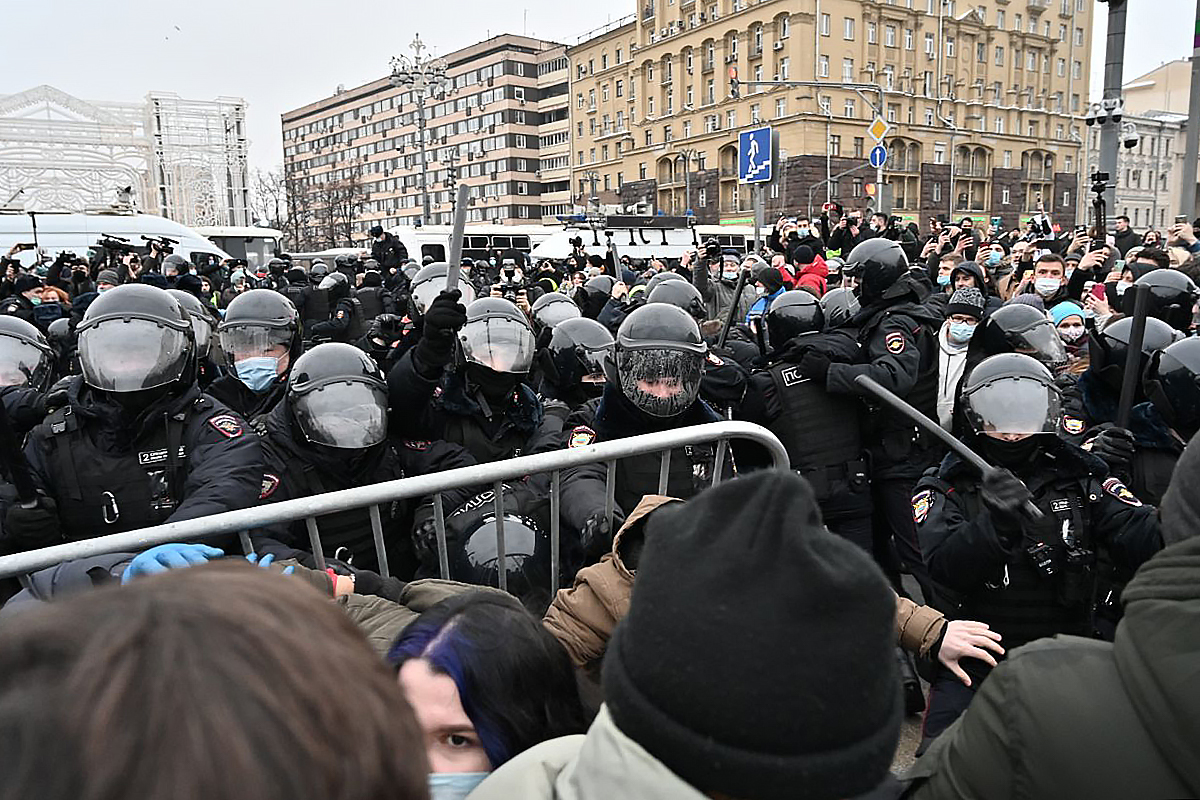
(814, 364)
(385, 327)
(34, 527)
(368, 582)
(1005, 496)
(1114, 445)
(444, 317)
(597, 535)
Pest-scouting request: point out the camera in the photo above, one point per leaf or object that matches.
(511, 281)
(712, 249)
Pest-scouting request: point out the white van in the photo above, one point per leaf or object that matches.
(256, 245)
(77, 233)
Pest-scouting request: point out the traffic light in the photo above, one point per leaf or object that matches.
(870, 189)
(734, 85)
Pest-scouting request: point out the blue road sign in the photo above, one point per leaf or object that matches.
(878, 156)
(754, 156)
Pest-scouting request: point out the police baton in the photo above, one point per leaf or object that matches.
(923, 422)
(1133, 355)
(14, 461)
(733, 306)
(456, 238)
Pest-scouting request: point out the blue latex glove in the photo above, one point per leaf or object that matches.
(168, 556)
(266, 562)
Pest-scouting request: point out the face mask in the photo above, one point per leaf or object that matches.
(729, 275)
(1070, 272)
(760, 290)
(1122, 286)
(1010, 454)
(37, 301)
(453, 785)
(1047, 286)
(257, 373)
(994, 258)
(1071, 333)
(943, 280)
(960, 332)
(803, 232)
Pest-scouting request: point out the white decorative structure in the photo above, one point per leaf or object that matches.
(182, 159)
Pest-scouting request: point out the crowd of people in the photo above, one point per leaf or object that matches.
(733, 629)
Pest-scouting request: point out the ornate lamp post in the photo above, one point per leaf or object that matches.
(424, 77)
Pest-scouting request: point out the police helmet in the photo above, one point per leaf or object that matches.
(658, 359)
(1172, 384)
(1108, 350)
(601, 283)
(260, 323)
(576, 355)
(26, 358)
(175, 262)
(277, 266)
(317, 272)
(839, 306)
(551, 309)
(1018, 328)
(662, 277)
(682, 294)
(429, 282)
(297, 275)
(879, 263)
(336, 284)
(203, 323)
(341, 261)
(338, 397)
(1172, 297)
(526, 556)
(58, 333)
(794, 313)
(1011, 393)
(135, 337)
(496, 335)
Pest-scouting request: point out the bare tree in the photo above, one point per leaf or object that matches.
(301, 215)
(268, 198)
(338, 205)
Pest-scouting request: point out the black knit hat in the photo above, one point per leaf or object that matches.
(757, 658)
(25, 282)
(967, 300)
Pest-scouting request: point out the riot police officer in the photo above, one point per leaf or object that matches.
(260, 339)
(1172, 298)
(372, 298)
(652, 384)
(345, 323)
(594, 295)
(548, 311)
(137, 443)
(572, 363)
(27, 367)
(894, 329)
(316, 306)
(1026, 574)
(330, 432)
(483, 404)
(276, 279)
(204, 323)
(839, 305)
(297, 288)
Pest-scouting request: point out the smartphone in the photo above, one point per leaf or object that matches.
(1098, 290)
(997, 221)
(1119, 265)
(1181, 218)
(25, 246)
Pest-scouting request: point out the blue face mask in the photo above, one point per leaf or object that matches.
(960, 332)
(453, 785)
(994, 258)
(257, 373)
(943, 280)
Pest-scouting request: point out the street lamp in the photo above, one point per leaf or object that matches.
(423, 76)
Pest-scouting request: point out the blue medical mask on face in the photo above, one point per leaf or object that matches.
(994, 258)
(960, 332)
(453, 785)
(257, 373)
(943, 280)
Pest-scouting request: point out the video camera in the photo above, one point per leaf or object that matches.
(160, 243)
(511, 280)
(116, 244)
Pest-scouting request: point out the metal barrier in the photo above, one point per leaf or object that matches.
(242, 521)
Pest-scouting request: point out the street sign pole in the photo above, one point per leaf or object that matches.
(758, 217)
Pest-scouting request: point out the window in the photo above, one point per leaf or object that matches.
(591, 98)
(702, 197)
(889, 35)
(893, 112)
(642, 171)
(618, 59)
(783, 68)
(908, 39)
(835, 144)
(519, 93)
(690, 101)
(687, 129)
(849, 111)
(758, 39)
(731, 119)
(755, 112)
(1016, 22)
(1062, 68)
(981, 52)
(650, 106)
(999, 56)
(929, 116)
(710, 123)
(929, 48)
(781, 108)
(848, 69)
(1031, 58)
(949, 47)
(785, 28)
(1005, 196)
(939, 153)
(649, 138)
(592, 154)
(1067, 201)
(522, 187)
(1076, 70)
(604, 61)
(937, 192)
(999, 126)
(824, 24)
(579, 100)
(858, 147)
(848, 28)
(604, 93)
(668, 136)
(1000, 18)
(872, 33)
(823, 67)
(1079, 37)
(710, 92)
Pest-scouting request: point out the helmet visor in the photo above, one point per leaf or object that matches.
(253, 341)
(129, 355)
(425, 292)
(21, 363)
(500, 344)
(1041, 341)
(553, 313)
(1013, 405)
(660, 381)
(202, 328)
(349, 415)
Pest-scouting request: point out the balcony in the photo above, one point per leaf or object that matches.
(1037, 6)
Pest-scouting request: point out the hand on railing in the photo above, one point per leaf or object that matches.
(169, 556)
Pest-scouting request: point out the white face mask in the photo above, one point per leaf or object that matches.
(1122, 286)
(759, 289)
(1047, 286)
(1071, 333)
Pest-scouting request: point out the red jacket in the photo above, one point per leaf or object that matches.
(806, 276)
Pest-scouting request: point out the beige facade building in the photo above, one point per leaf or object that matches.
(983, 101)
(352, 160)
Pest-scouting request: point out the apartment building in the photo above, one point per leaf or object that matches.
(353, 160)
(983, 102)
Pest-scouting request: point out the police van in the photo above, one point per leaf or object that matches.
(256, 246)
(645, 237)
(479, 240)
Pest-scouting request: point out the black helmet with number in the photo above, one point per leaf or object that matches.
(1108, 350)
(551, 309)
(839, 306)
(573, 361)
(681, 294)
(1011, 394)
(497, 335)
(136, 337)
(259, 323)
(1172, 384)
(338, 397)
(879, 264)
(1172, 297)
(429, 282)
(1018, 328)
(658, 359)
(204, 322)
(26, 358)
(663, 277)
(793, 313)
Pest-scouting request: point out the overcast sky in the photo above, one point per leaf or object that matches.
(279, 56)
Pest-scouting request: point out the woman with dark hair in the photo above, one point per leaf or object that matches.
(487, 682)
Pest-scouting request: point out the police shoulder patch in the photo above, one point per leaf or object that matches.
(1072, 425)
(414, 444)
(1118, 490)
(894, 343)
(227, 425)
(269, 484)
(715, 360)
(921, 504)
(341, 314)
(581, 436)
